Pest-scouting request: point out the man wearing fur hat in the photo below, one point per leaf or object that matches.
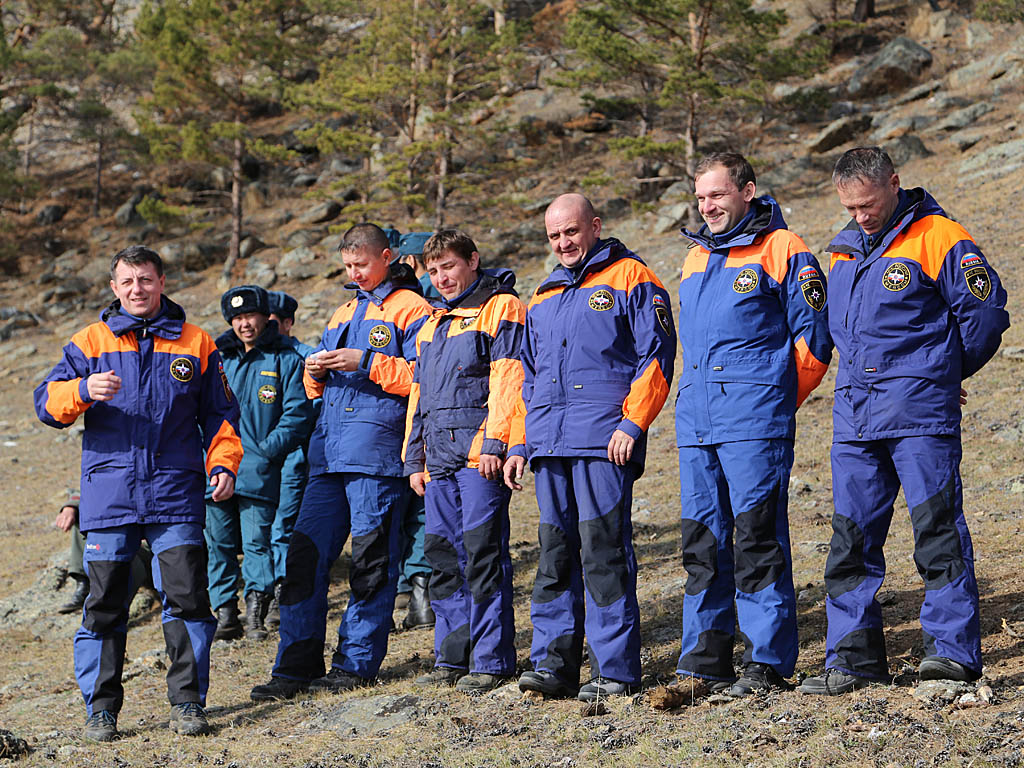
(265, 373)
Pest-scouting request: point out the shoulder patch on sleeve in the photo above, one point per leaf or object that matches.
(814, 294)
(978, 282)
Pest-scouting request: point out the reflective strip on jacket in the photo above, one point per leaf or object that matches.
(142, 451)
(911, 319)
(362, 423)
(276, 416)
(598, 351)
(753, 325)
(468, 379)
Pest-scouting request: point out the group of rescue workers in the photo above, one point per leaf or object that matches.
(449, 399)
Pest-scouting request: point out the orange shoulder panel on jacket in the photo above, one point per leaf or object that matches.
(772, 253)
(837, 257)
(503, 307)
(342, 314)
(193, 341)
(97, 339)
(539, 298)
(622, 275)
(405, 306)
(927, 241)
(696, 262)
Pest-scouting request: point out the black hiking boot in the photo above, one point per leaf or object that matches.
(834, 682)
(758, 678)
(228, 625)
(100, 726)
(338, 681)
(547, 683)
(277, 689)
(189, 719)
(77, 600)
(420, 613)
(256, 605)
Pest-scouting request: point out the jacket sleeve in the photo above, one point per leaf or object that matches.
(805, 304)
(506, 374)
(978, 302)
(527, 359)
(413, 451)
(393, 373)
(315, 387)
(218, 414)
(297, 412)
(63, 395)
(654, 334)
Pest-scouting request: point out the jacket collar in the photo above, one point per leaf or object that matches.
(764, 216)
(489, 282)
(399, 276)
(914, 204)
(270, 339)
(166, 324)
(604, 253)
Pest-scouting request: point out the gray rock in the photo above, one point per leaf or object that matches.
(838, 132)
(897, 65)
(367, 716)
(304, 179)
(341, 165)
(173, 254)
(332, 243)
(671, 217)
(962, 118)
(328, 210)
(918, 92)
(998, 160)
(127, 216)
(249, 246)
(524, 183)
(51, 214)
(905, 148)
(933, 691)
(298, 264)
(615, 208)
(304, 237)
(840, 109)
(977, 34)
(894, 127)
(1013, 353)
(1017, 485)
(220, 178)
(787, 172)
(964, 140)
(260, 273)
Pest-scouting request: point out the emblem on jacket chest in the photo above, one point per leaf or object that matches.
(267, 393)
(465, 322)
(745, 281)
(896, 276)
(182, 369)
(380, 335)
(601, 300)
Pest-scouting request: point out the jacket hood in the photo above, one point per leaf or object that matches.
(167, 324)
(270, 339)
(399, 276)
(490, 282)
(766, 217)
(918, 204)
(603, 253)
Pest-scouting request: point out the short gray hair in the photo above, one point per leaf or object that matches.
(871, 164)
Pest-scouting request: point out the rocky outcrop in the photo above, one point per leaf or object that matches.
(897, 65)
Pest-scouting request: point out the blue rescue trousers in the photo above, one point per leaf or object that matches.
(333, 506)
(735, 532)
(179, 575)
(466, 539)
(293, 484)
(866, 476)
(586, 576)
(239, 523)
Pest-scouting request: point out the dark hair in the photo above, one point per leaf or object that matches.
(740, 171)
(871, 164)
(134, 255)
(454, 240)
(365, 235)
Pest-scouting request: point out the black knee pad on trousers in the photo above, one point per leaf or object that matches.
(445, 579)
(183, 579)
(604, 557)
(700, 556)
(757, 554)
(370, 561)
(300, 566)
(937, 551)
(110, 589)
(483, 559)
(553, 567)
(844, 567)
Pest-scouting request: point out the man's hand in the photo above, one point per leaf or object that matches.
(513, 470)
(223, 486)
(103, 386)
(333, 360)
(490, 466)
(620, 448)
(963, 396)
(66, 518)
(418, 482)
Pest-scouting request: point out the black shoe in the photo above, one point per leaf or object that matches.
(833, 683)
(440, 676)
(77, 600)
(602, 688)
(941, 668)
(256, 605)
(546, 683)
(758, 678)
(100, 726)
(277, 689)
(228, 625)
(273, 619)
(420, 613)
(189, 719)
(337, 681)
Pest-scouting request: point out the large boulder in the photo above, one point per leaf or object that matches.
(327, 210)
(298, 264)
(51, 214)
(838, 132)
(897, 65)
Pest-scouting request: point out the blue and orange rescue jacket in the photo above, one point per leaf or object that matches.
(142, 451)
(597, 354)
(753, 325)
(362, 422)
(468, 379)
(913, 315)
(276, 416)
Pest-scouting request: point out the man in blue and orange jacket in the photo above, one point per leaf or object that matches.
(466, 388)
(363, 370)
(915, 309)
(597, 360)
(155, 397)
(754, 332)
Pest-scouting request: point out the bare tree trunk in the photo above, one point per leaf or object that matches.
(97, 187)
(444, 162)
(236, 211)
(863, 10)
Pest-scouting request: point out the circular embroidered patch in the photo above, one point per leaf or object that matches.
(267, 393)
(896, 276)
(380, 335)
(183, 369)
(601, 300)
(745, 281)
